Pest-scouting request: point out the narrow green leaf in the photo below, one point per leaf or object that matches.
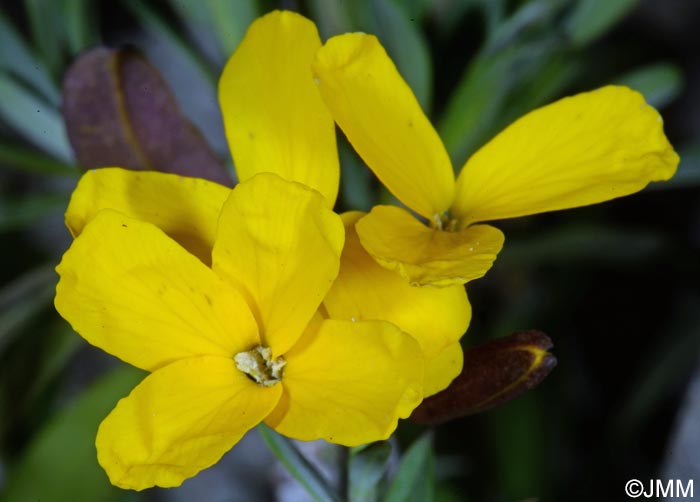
(63, 343)
(230, 20)
(653, 382)
(405, 44)
(592, 18)
(539, 88)
(154, 23)
(33, 118)
(688, 173)
(660, 83)
(22, 299)
(448, 14)
(475, 107)
(415, 9)
(494, 12)
(356, 180)
(42, 15)
(367, 466)
(516, 434)
(300, 468)
(27, 210)
(61, 461)
(415, 478)
(17, 157)
(331, 16)
(531, 15)
(80, 25)
(582, 244)
(195, 17)
(17, 58)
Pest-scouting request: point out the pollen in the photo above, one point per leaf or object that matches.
(259, 366)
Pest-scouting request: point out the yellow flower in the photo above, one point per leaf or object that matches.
(276, 121)
(231, 344)
(584, 149)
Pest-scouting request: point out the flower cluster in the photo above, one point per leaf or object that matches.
(260, 304)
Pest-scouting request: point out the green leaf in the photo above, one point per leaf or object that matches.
(592, 18)
(356, 180)
(27, 210)
(17, 157)
(540, 88)
(447, 14)
(531, 15)
(403, 41)
(17, 58)
(516, 434)
(415, 9)
(22, 299)
(61, 462)
(476, 106)
(42, 16)
(154, 23)
(688, 173)
(230, 20)
(367, 466)
(300, 468)
(331, 16)
(581, 244)
(415, 478)
(80, 25)
(678, 350)
(223, 22)
(660, 83)
(33, 118)
(63, 343)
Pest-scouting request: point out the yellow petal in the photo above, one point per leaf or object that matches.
(349, 383)
(442, 368)
(364, 290)
(186, 209)
(381, 117)
(132, 291)
(274, 117)
(179, 420)
(427, 256)
(588, 148)
(280, 243)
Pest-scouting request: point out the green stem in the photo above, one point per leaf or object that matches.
(300, 468)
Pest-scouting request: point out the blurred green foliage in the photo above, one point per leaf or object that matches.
(615, 286)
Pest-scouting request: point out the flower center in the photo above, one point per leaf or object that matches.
(259, 366)
(444, 222)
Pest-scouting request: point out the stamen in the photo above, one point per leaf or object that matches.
(444, 222)
(259, 366)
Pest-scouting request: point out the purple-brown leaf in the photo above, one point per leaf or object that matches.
(494, 373)
(120, 112)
